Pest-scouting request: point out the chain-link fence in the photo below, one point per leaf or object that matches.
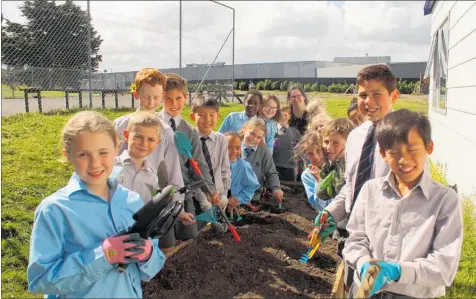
(50, 49)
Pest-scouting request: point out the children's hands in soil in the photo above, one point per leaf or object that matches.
(186, 218)
(278, 195)
(253, 208)
(314, 170)
(233, 202)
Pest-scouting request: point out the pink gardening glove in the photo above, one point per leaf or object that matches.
(146, 252)
(121, 248)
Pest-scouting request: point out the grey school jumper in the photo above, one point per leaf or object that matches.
(263, 166)
(188, 174)
(283, 155)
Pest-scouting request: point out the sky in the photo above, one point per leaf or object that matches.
(146, 34)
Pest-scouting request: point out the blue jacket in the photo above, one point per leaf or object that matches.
(234, 122)
(312, 186)
(66, 257)
(272, 129)
(243, 181)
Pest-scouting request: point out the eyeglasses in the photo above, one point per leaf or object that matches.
(296, 97)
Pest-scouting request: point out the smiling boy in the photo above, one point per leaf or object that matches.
(377, 92)
(142, 136)
(405, 222)
(235, 121)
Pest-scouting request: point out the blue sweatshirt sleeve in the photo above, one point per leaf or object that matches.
(309, 183)
(225, 126)
(155, 263)
(50, 270)
(272, 128)
(249, 184)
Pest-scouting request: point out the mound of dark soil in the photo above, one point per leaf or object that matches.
(264, 265)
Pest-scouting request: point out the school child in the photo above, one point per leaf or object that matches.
(76, 242)
(244, 182)
(286, 139)
(354, 114)
(176, 95)
(254, 151)
(318, 121)
(270, 113)
(310, 148)
(332, 172)
(235, 121)
(315, 107)
(377, 92)
(405, 222)
(205, 113)
(148, 88)
(142, 136)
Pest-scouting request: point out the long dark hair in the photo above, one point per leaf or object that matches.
(301, 90)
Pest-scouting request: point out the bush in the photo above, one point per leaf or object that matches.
(260, 85)
(243, 86)
(322, 88)
(267, 84)
(308, 87)
(275, 85)
(284, 86)
(406, 87)
(338, 87)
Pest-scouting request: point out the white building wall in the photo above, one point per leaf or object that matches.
(454, 130)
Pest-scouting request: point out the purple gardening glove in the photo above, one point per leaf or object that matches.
(120, 248)
(276, 144)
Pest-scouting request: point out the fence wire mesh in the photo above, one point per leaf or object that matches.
(79, 53)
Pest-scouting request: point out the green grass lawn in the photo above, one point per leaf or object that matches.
(31, 171)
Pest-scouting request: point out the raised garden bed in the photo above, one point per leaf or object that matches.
(264, 265)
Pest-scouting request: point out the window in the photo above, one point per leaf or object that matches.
(440, 66)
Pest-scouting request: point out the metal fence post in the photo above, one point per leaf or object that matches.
(233, 61)
(66, 97)
(38, 96)
(26, 101)
(180, 39)
(89, 58)
(80, 99)
(103, 99)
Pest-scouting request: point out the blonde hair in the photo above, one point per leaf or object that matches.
(316, 107)
(254, 124)
(309, 140)
(342, 126)
(145, 119)
(87, 121)
(321, 119)
(174, 81)
(150, 76)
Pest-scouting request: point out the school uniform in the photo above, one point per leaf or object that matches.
(422, 231)
(283, 154)
(271, 129)
(311, 186)
(244, 182)
(143, 181)
(165, 151)
(234, 122)
(66, 257)
(263, 166)
(185, 232)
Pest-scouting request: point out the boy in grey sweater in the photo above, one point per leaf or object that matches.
(255, 152)
(285, 140)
